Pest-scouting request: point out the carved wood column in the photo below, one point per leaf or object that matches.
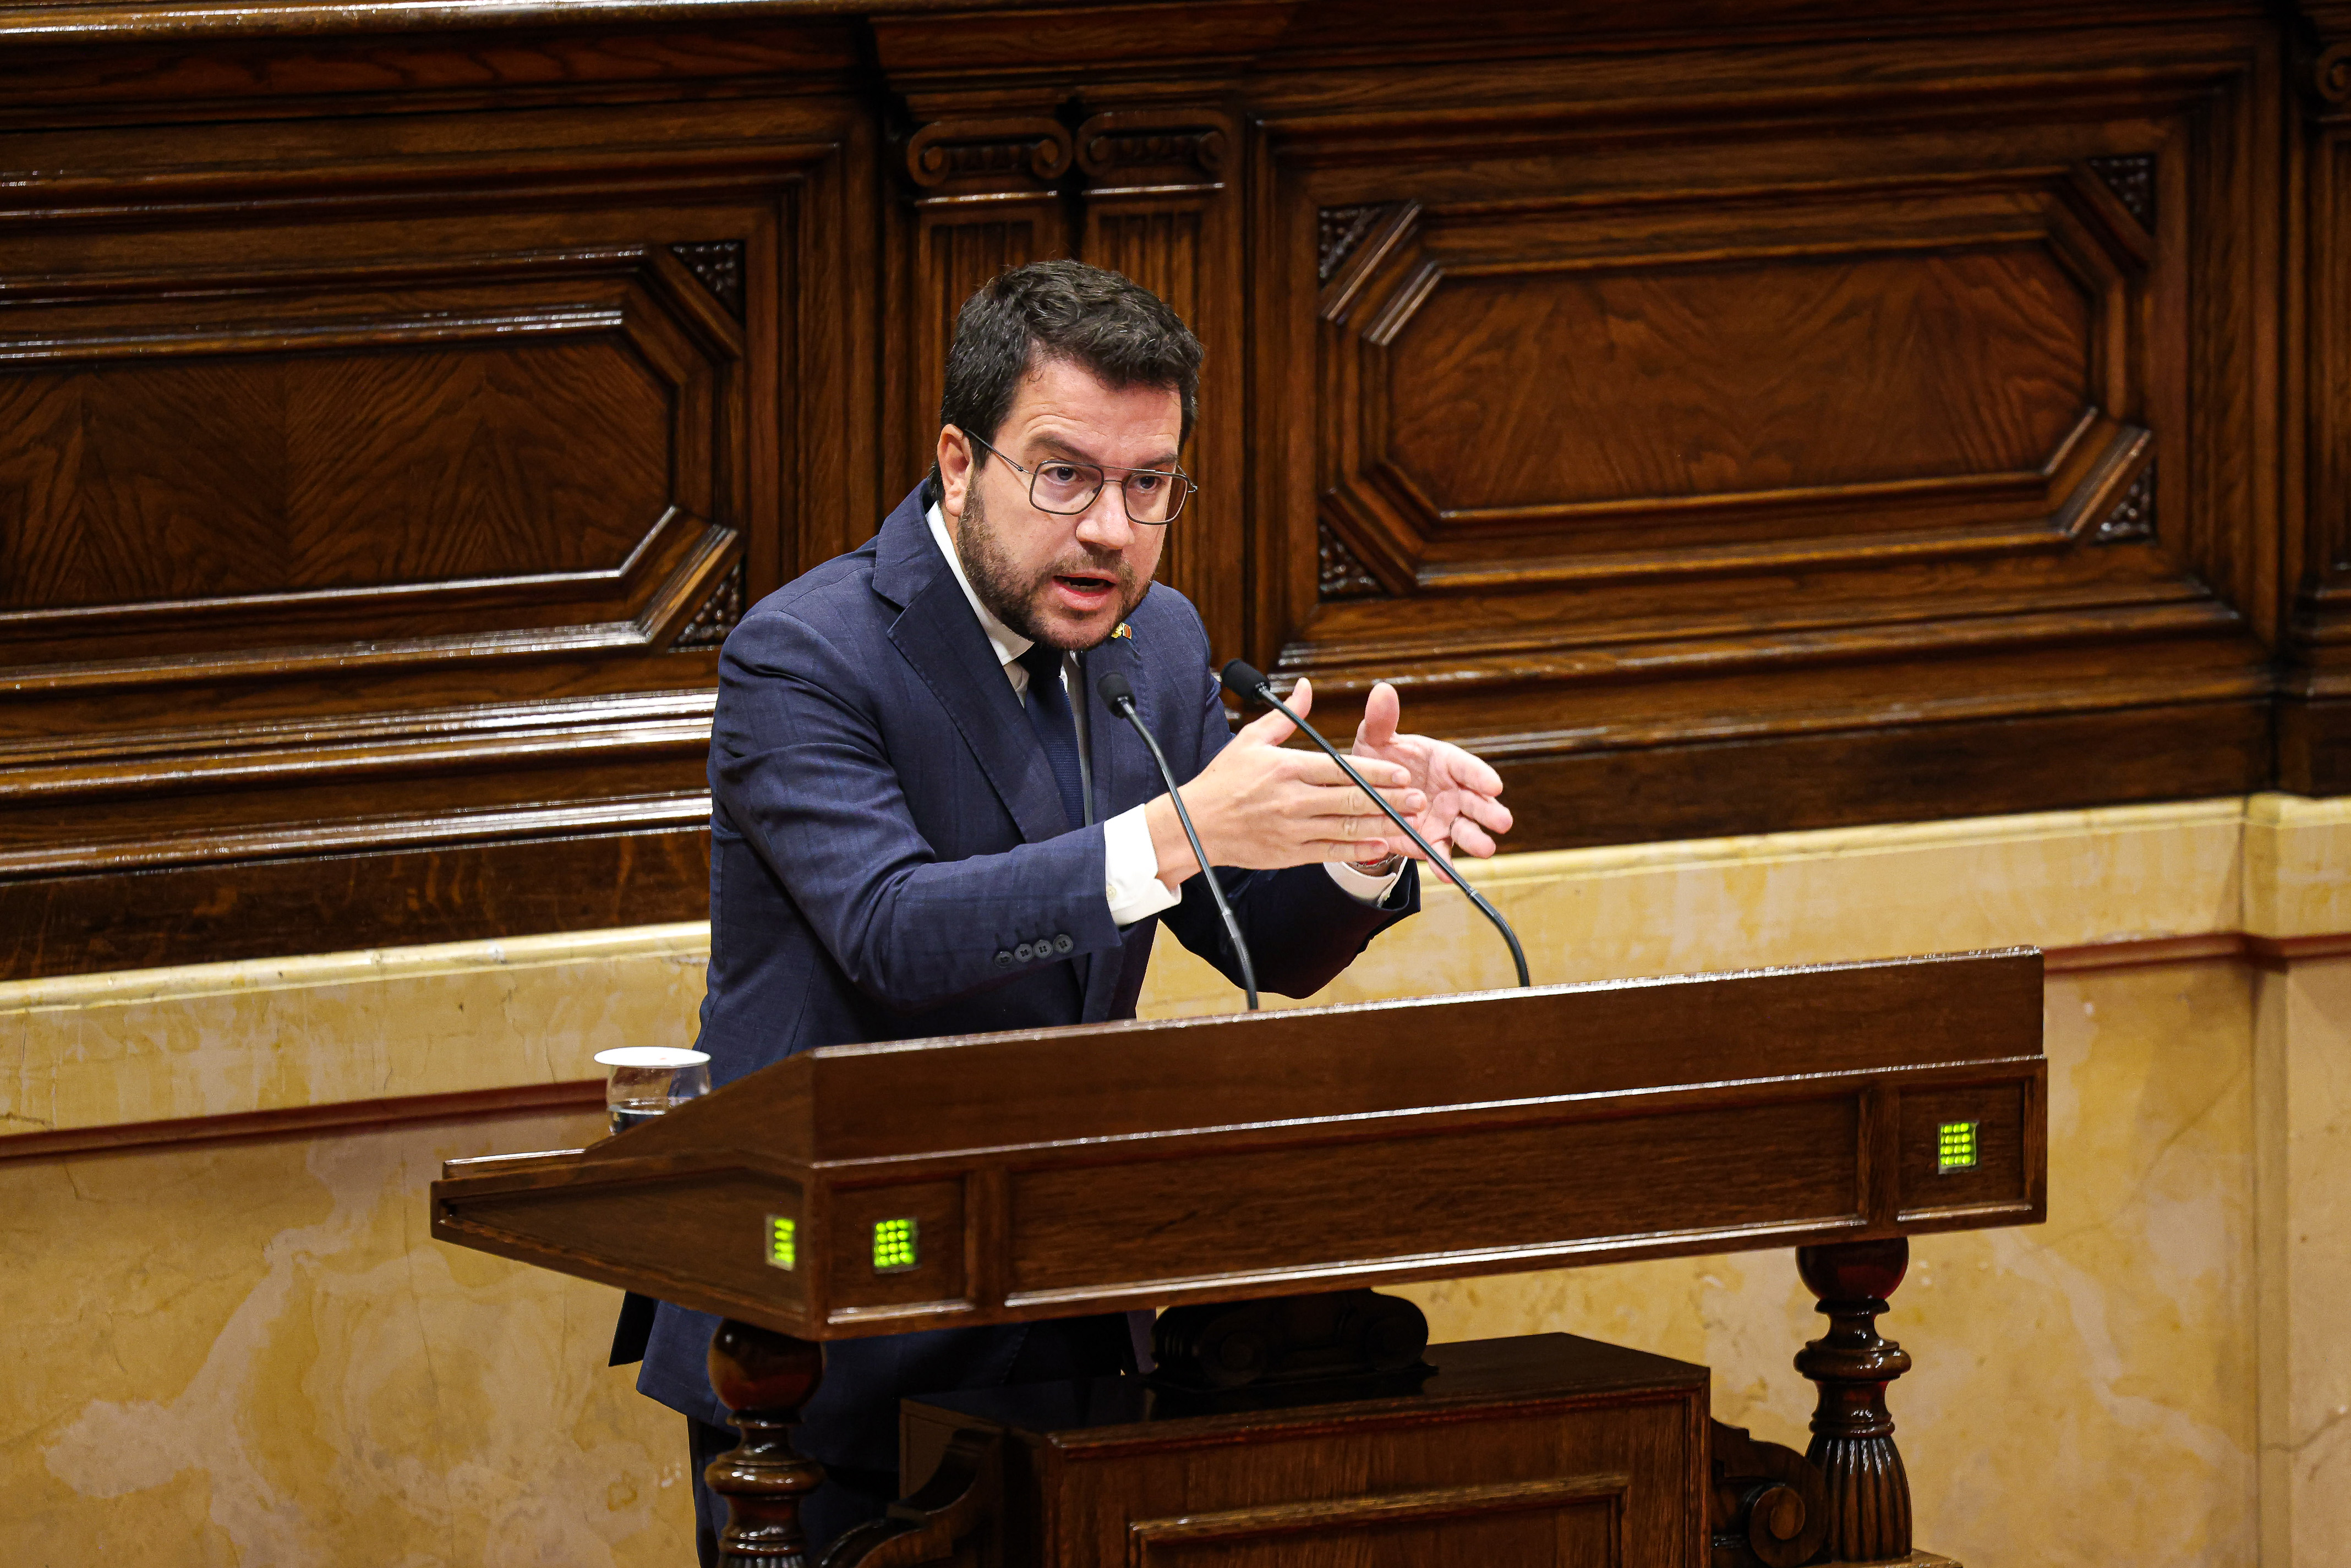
(1157, 205)
(2314, 724)
(983, 194)
(1868, 1500)
(765, 1378)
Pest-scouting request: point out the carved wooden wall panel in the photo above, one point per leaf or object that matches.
(1649, 455)
(1726, 422)
(397, 518)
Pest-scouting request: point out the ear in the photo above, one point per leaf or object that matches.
(956, 471)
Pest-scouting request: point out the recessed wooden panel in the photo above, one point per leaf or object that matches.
(1997, 1114)
(928, 1267)
(1082, 1226)
(1518, 390)
(145, 478)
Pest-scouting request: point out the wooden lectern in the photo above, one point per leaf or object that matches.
(1254, 1175)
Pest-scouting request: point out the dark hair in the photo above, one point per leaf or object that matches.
(1112, 326)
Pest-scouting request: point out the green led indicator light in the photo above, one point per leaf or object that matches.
(1957, 1147)
(896, 1246)
(783, 1244)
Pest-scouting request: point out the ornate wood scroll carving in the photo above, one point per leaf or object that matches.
(2133, 516)
(718, 616)
(1339, 574)
(2132, 180)
(1338, 230)
(963, 159)
(1769, 1505)
(719, 264)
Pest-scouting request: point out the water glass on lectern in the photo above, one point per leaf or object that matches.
(644, 1081)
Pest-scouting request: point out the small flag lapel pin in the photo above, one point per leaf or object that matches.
(1123, 630)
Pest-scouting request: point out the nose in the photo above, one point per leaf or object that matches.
(1104, 525)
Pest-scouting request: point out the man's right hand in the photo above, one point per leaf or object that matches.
(1261, 806)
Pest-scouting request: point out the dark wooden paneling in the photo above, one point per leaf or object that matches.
(1809, 414)
(372, 496)
(1728, 417)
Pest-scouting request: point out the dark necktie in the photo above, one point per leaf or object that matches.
(1049, 712)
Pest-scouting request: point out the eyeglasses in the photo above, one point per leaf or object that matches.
(1066, 488)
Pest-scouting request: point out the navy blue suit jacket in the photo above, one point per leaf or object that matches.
(886, 834)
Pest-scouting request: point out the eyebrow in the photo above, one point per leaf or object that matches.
(1056, 446)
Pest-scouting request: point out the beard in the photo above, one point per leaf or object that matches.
(1011, 595)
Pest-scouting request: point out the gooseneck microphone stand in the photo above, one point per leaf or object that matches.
(1120, 696)
(1243, 681)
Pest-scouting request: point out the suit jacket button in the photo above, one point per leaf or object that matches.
(1062, 943)
(1025, 951)
(1003, 959)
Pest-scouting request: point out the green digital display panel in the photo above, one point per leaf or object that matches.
(1956, 1146)
(783, 1241)
(897, 1246)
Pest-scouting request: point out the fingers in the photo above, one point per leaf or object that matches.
(1381, 711)
(1485, 811)
(1265, 729)
(1301, 698)
(1471, 838)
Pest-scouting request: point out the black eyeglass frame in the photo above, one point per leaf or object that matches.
(1191, 486)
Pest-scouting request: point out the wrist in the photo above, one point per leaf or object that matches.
(1169, 842)
(1387, 864)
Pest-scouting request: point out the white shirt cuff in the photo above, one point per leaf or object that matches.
(1372, 890)
(1130, 870)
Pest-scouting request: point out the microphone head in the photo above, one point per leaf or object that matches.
(1115, 690)
(1242, 679)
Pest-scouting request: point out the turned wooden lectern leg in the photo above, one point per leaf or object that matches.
(1853, 1435)
(765, 1378)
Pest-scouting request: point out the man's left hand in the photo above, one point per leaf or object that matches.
(1465, 810)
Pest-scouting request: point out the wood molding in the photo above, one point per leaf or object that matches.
(307, 1121)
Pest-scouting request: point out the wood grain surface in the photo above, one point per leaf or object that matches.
(1727, 418)
(1065, 1170)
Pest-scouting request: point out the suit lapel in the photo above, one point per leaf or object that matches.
(941, 638)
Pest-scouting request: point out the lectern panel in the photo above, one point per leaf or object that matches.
(1471, 1190)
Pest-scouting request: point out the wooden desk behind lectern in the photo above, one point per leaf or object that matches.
(1054, 1172)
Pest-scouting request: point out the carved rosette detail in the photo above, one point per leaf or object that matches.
(2133, 516)
(718, 265)
(1339, 231)
(718, 614)
(2132, 180)
(1340, 574)
(1869, 1493)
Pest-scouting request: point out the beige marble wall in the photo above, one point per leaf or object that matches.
(250, 1353)
(2303, 1077)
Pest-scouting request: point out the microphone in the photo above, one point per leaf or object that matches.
(1120, 696)
(1243, 681)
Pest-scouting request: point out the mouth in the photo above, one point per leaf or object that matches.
(1085, 591)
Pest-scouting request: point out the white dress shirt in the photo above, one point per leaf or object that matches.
(1130, 865)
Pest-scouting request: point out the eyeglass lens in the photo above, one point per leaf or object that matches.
(1070, 487)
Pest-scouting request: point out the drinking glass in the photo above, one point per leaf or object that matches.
(644, 1080)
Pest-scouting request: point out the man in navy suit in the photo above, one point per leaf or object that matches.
(925, 821)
